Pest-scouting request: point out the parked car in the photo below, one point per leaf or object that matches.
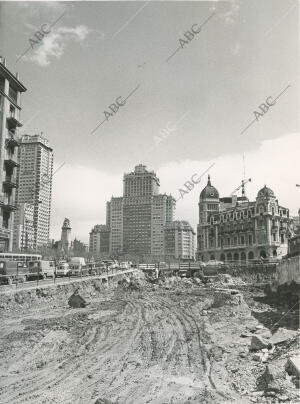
(78, 270)
(41, 269)
(62, 269)
(110, 264)
(78, 267)
(12, 271)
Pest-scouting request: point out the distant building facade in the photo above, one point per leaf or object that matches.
(10, 108)
(34, 190)
(235, 229)
(78, 248)
(99, 240)
(23, 237)
(294, 246)
(179, 241)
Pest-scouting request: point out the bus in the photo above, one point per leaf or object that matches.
(20, 257)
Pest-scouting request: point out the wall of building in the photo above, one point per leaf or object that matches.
(288, 271)
(10, 96)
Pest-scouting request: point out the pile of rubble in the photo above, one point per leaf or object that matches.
(277, 370)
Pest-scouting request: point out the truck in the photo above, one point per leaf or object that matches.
(12, 271)
(78, 267)
(41, 269)
(62, 269)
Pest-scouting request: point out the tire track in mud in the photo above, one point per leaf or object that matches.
(179, 331)
(41, 385)
(94, 363)
(116, 355)
(31, 388)
(136, 355)
(205, 357)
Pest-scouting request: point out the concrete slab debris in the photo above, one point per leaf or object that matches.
(293, 365)
(258, 343)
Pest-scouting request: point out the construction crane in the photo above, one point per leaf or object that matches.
(244, 182)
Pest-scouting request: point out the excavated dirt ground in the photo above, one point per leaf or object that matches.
(142, 342)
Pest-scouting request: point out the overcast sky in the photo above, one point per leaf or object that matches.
(205, 95)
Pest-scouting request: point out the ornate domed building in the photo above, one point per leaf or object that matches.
(235, 229)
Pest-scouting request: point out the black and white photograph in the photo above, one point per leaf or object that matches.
(149, 202)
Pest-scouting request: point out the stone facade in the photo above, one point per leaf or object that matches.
(235, 229)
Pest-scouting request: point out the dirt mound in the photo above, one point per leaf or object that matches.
(229, 280)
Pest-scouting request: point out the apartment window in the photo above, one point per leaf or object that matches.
(12, 93)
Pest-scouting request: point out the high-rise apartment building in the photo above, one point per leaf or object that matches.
(114, 220)
(136, 221)
(161, 214)
(179, 241)
(99, 240)
(10, 107)
(34, 189)
(145, 213)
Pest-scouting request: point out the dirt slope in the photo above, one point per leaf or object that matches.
(140, 344)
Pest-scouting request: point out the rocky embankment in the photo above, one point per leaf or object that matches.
(56, 295)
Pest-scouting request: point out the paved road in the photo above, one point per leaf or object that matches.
(58, 281)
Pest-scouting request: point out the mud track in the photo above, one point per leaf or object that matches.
(133, 347)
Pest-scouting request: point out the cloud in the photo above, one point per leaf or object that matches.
(53, 45)
(232, 10)
(81, 193)
(273, 164)
(235, 48)
(231, 15)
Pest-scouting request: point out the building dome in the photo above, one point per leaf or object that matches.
(265, 192)
(66, 224)
(209, 192)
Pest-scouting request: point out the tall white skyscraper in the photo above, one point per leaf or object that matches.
(34, 190)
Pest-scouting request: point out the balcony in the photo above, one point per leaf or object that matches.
(11, 140)
(235, 246)
(9, 183)
(7, 203)
(4, 233)
(10, 163)
(13, 122)
(275, 243)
